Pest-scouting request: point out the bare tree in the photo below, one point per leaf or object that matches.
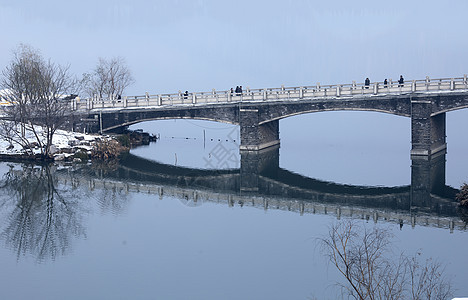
(363, 257)
(109, 79)
(35, 88)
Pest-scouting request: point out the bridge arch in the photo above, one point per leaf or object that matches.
(450, 109)
(334, 110)
(346, 141)
(111, 120)
(126, 124)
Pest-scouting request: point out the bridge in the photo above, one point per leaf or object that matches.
(258, 111)
(426, 202)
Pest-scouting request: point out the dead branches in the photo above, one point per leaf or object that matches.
(364, 258)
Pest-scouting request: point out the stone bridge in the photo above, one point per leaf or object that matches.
(258, 111)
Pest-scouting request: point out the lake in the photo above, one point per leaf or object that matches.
(188, 217)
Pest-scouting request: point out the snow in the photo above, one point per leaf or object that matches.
(64, 143)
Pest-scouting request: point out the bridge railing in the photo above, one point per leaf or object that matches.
(274, 94)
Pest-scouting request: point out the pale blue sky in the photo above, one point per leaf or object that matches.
(204, 44)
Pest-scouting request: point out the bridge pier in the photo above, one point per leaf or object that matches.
(254, 163)
(427, 131)
(255, 136)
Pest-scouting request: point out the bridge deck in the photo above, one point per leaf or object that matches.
(274, 94)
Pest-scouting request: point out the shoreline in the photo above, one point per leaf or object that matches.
(80, 148)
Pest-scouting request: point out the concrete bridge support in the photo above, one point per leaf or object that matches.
(254, 163)
(255, 136)
(427, 131)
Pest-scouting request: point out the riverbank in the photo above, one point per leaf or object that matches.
(78, 147)
(66, 145)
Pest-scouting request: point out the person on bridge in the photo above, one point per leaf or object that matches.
(238, 90)
(367, 82)
(385, 82)
(401, 81)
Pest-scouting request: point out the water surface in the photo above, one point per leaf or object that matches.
(175, 222)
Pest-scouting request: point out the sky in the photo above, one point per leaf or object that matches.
(204, 44)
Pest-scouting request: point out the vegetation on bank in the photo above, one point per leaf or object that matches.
(462, 196)
(108, 149)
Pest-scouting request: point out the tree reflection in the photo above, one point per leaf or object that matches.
(42, 215)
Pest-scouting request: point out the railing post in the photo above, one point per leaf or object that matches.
(413, 86)
(100, 121)
(125, 103)
(194, 98)
(338, 90)
(147, 98)
(301, 92)
(159, 100)
(264, 94)
(465, 80)
(376, 88)
(452, 84)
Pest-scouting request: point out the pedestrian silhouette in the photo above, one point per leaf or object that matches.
(401, 81)
(367, 83)
(385, 83)
(238, 90)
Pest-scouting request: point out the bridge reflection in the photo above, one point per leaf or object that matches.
(260, 182)
(43, 206)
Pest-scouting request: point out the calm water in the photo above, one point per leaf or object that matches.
(173, 221)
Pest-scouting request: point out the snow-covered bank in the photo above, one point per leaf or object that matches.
(64, 145)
